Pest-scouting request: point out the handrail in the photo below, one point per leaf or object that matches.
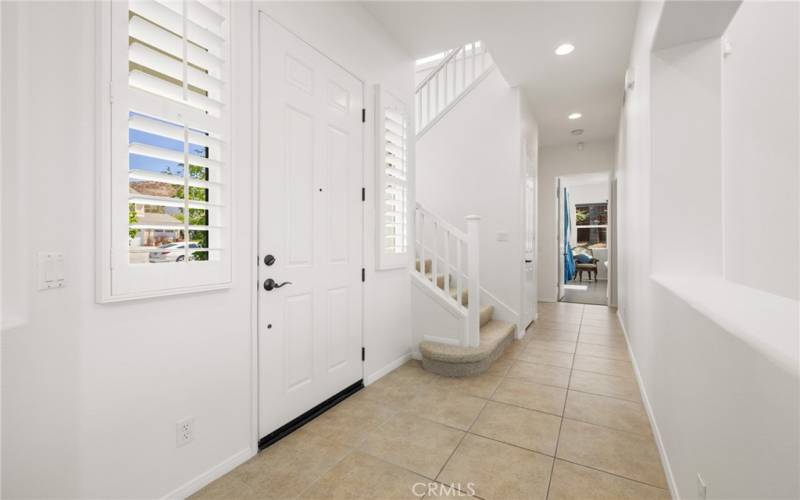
(455, 75)
(452, 53)
(453, 229)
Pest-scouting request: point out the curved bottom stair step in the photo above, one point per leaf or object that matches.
(458, 361)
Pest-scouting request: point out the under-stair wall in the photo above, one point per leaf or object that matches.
(470, 163)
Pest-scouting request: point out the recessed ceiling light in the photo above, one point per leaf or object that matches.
(564, 49)
(574, 116)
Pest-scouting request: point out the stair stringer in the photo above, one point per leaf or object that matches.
(502, 311)
(464, 93)
(433, 317)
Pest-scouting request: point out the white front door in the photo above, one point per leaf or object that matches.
(310, 222)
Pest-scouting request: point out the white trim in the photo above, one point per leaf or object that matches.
(441, 340)
(376, 375)
(436, 294)
(502, 311)
(450, 106)
(673, 487)
(255, 99)
(194, 485)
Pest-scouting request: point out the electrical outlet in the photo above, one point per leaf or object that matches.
(702, 489)
(184, 431)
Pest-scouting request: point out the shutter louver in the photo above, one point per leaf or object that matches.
(395, 179)
(176, 123)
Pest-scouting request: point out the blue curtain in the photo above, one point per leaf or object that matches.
(569, 258)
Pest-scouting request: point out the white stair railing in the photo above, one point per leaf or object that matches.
(453, 255)
(462, 68)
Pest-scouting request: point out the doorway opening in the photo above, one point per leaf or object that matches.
(584, 238)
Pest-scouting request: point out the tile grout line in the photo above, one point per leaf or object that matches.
(563, 413)
(612, 474)
(444, 465)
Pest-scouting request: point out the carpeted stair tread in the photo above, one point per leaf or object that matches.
(486, 314)
(493, 334)
(464, 296)
(440, 285)
(428, 265)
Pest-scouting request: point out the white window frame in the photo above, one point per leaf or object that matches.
(385, 100)
(117, 279)
(591, 226)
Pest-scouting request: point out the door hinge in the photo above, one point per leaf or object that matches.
(363, 115)
(363, 194)
(363, 275)
(363, 354)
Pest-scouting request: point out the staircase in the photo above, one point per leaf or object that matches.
(460, 71)
(447, 267)
(455, 323)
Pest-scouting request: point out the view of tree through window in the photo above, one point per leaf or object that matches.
(591, 220)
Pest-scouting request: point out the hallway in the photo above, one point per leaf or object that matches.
(586, 292)
(558, 416)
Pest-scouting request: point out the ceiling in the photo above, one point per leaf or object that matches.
(522, 37)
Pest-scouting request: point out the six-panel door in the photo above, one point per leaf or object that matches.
(310, 220)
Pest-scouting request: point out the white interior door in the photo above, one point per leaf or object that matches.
(560, 238)
(529, 250)
(310, 222)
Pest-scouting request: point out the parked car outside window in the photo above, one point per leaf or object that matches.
(172, 252)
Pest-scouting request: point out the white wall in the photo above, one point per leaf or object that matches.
(760, 101)
(91, 393)
(587, 193)
(558, 161)
(469, 163)
(718, 373)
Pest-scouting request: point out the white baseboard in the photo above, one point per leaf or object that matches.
(216, 472)
(673, 487)
(375, 376)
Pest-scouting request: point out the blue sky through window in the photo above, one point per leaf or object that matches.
(140, 162)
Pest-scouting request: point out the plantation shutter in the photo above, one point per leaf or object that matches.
(172, 110)
(393, 161)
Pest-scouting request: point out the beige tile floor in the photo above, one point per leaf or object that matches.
(558, 416)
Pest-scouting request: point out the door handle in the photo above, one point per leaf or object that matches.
(528, 261)
(270, 284)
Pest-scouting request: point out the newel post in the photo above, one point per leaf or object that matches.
(473, 275)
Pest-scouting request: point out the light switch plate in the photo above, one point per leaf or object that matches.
(502, 236)
(50, 270)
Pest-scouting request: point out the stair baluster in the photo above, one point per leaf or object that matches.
(468, 63)
(473, 262)
(429, 247)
